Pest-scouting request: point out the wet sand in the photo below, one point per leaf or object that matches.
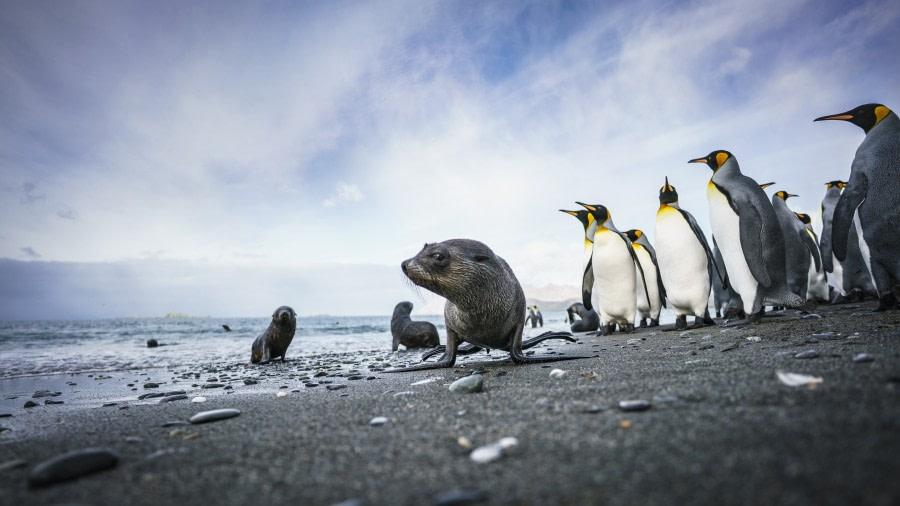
(721, 428)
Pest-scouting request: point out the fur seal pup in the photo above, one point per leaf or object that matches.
(589, 322)
(409, 333)
(485, 302)
(274, 342)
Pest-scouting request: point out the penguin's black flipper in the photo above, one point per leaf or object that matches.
(710, 258)
(587, 285)
(852, 196)
(752, 238)
(528, 343)
(811, 246)
(659, 281)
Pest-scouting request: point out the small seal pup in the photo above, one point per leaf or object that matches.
(485, 302)
(274, 342)
(409, 333)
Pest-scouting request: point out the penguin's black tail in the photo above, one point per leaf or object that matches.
(528, 343)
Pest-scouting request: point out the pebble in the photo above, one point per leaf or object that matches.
(378, 420)
(634, 405)
(807, 354)
(12, 464)
(335, 387)
(460, 496)
(468, 384)
(707, 347)
(171, 398)
(826, 336)
(493, 451)
(150, 396)
(633, 342)
(281, 394)
(30, 404)
(250, 381)
(45, 393)
(212, 385)
(52, 401)
(592, 409)
(811, 316)
(198, 399)
(425, 381)
(174, 423)
(406, 393)
(863, 357)
(152, 343)
(151, 385)
(72, 465)
(109, 404)
(558, 373)
(215, 415)
(754, 339)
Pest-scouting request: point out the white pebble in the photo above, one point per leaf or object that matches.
(378, 420)
(754, 339)
(426, 381)
(281, 394)
(198, 399)
(557, 373)
(493, 451)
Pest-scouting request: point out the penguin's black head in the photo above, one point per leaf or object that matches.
(783, 195)
(583, 216)
(667, 194)
(865, 116)
(634, 235)
(715, 160)
(598, 211)
(837, 183)
(804, 218)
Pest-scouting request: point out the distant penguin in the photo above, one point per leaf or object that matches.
(799, 246)
(531, 317)
(872, 198)
(647, 309)
(613, 260)
(538, 316)
(587, 278)
(830, 263)
(589, 319)
(686, 263)
(749, 236)
(817, 289)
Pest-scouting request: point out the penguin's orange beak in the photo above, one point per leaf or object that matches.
(699, 160)
(844, 116)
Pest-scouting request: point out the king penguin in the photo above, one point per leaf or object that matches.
(817, 288)
(749, 236)
(587, 277)
(685, 261)
(798, 245)
(831, 264)
(613, 261)
(872, 199)
(647, 308)
(727, 301)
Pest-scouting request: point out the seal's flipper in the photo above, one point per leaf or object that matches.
(447, 360)
(466, 349)
(528, 343)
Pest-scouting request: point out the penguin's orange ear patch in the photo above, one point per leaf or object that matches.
(880, 113)
(720, 158)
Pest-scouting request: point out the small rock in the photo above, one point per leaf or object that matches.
(72, 465)
(215, 415)
(52, 401)
(633, 342)
(754, 339)
(170, 398)
(811, 316)
(335, 387)
(592, 409)
(151, 385)
(458, 497)
(250, 381)
(198, 399)
(152, 343)
(109, 404)
(558, 373)
(281, 394)
(863, 357)
(634, 405)
(468, 384)
(493, 451)
(30, 404)
(807, 354)
(212, 385)
(174, 423)
(378, 420)
(45, 393)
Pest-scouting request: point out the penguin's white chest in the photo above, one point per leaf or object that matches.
(682, 263)
(613, 294)
(726, 229)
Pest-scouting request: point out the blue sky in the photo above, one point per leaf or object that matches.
(296, 152)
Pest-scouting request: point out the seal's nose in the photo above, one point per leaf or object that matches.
(403, 266)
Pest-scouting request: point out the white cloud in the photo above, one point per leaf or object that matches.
(345, 192)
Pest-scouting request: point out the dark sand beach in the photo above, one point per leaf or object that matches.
(721, 428)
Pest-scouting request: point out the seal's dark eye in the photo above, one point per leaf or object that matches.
(481, 258)
(437, 257)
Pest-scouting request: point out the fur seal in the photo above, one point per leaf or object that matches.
(590, 320)
(274, 342)
(409, 333)
(485, 302)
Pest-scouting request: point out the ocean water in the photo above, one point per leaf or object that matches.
(31, 348)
